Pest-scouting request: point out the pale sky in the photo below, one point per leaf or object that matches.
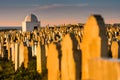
(55, 12)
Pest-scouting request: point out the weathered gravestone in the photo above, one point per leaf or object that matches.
(104, 69)
(53, 63)
(1, 52)
(115, 49)
(26, 57)
(21, 54)
(46, 50)
(71, 58)
(33, 48)
(41, 58)
(16, 56)
(38, 57)
(94, 44)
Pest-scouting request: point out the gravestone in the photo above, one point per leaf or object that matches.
(33, 51)
(32, 48)
(38, 57)
(94, 43)
(104, 69)
(21, 54)
(53, 63)
(115, 49)
(26, 58)
(35, 46)
(71, 58)
(1, 50)
(16, 56)
(46, 50)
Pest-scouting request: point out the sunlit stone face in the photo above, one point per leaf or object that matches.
(91, 28)
(53, 63)
(115, 49)
(94, 44)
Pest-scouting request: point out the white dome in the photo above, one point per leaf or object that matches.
(31, 18)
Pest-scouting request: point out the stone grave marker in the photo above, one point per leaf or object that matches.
(115, 49)
(26, 58)
(71, 58)
(16, 56)
(94, 43)
(21, 54)
(53, 63)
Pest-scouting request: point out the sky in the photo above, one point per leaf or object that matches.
(57, 12)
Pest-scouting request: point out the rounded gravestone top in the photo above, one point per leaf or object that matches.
(31, 18)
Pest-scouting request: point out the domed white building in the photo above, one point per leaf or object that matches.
(30, 22)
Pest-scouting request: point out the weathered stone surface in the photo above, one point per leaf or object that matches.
(16, 56)
(26, 58)
(90, 45)
(94, 44)
(53, 63)
(115, 49)
(21, 54)
(1, 51)
(41, 58)
(71, 58)
(104, 69)
(33, 50)
(35, 47)
(38, 57)
(46, 50)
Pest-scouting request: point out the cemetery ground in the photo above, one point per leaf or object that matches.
(7, 71)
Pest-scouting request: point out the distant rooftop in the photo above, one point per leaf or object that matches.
(31, 18)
